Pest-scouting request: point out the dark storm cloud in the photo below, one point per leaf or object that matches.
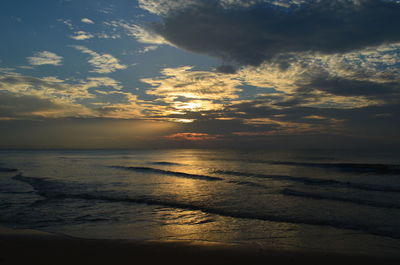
(251, 35)
(226, 69)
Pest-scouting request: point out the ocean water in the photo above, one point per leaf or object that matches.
(315, 200)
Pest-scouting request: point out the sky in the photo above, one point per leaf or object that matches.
(200, 74)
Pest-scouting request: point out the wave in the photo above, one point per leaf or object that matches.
(248, 183)
(318, 196)
(186, 175)
(313, 181)
(48, 188)
(168, 172)
(353, 167)
(4, 169)
(162, 163)
(349, 167)
(17, 192)
(118, 197)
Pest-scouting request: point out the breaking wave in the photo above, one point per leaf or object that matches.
(168, 172)
(313, 181)
(353, 167)
(4, 169)
(162, 163)
(53, 190)
(319, 196)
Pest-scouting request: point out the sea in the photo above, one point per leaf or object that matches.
(315, 200)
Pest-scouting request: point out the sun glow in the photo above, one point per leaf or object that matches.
(197, 105)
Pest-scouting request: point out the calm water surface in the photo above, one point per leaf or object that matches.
(324, 200)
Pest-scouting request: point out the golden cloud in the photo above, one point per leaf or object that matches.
(184, 89)
(193, 136)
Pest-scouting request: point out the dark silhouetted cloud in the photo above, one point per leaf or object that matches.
(252, 34)
(226, 69)
(389, 91)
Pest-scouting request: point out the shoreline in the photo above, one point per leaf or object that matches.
(36, 247)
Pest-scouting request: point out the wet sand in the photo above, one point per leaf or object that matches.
(39, 248)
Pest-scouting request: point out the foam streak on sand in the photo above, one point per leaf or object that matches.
(30, 247)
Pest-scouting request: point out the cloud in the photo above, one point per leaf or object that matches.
(82, 35)
(45, 57)
(184, 89)
(347, 87)
(164, 7)
(87, 21)
(103, 63)
(307, 93)
(226, 69)
(66, 22)
(149, 49)
(368, 120)
(366, 68)
(288, 68)
(81, 133)
(307, 100)
(103, 82)
(186, 82)
(51, 97)
(6, 70)
(16, 106)
(192, 136)
(127, 107)
(43, 87)
(262, 32)
(141, 33)
(315, 83)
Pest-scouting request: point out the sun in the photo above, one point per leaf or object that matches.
(189, 106)
(197, 105)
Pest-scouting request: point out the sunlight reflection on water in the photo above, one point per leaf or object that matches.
(202, 195)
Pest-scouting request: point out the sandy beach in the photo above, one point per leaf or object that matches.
(35, 247)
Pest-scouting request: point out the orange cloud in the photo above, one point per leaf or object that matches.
(192, 136)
